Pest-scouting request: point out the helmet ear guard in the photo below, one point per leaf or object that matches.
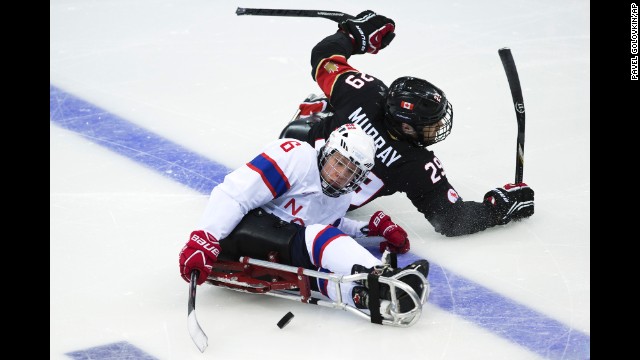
(420, 104)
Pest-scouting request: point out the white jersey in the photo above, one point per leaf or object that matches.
(285, 181)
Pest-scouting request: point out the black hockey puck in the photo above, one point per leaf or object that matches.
(285, 320)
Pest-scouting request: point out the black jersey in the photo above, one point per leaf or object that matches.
(400, 166)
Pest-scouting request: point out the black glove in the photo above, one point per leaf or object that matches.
(369, 32)
(511, 202)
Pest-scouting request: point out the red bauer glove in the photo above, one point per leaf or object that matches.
(396, 238)
(199, 253)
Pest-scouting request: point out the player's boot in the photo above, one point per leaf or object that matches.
(361, 293)
(360, 296)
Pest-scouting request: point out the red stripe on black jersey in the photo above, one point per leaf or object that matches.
(328, 71)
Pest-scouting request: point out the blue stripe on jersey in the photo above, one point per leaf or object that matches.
(322, 283)
(322, 240)
(271, 174)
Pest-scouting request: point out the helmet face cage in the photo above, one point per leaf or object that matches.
(344, 169)
(345, 160)
(432, 133)
(422, 105)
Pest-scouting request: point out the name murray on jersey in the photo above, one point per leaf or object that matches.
(389, 155)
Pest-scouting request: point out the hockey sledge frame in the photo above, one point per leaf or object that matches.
(293, 283)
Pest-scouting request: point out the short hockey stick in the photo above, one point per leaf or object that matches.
(197, 335)
(331, 15)
(518, 104)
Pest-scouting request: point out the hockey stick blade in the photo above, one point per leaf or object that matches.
(327, 14)
(518, 104)
(197, 334)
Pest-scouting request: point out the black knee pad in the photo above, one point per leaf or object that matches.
(297, 129)
(258, 234)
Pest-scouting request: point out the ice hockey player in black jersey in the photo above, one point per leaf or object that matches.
(404, 119)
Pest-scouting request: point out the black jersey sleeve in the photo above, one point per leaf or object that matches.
(452, 219)
(353, 95)
(433, 195)
(337, 44)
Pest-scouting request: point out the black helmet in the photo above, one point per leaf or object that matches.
(420, 104)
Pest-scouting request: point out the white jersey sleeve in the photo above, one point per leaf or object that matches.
(352, 227)
(268, 176)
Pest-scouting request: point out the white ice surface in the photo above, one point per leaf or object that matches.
(222, 86)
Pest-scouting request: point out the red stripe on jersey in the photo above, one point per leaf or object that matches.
(325, 245)
(264, 179)
(321, 241)
(328, 71)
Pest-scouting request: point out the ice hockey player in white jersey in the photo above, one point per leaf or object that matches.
(292, 199)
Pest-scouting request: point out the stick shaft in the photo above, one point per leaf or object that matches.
(518, 104)
(331, 15)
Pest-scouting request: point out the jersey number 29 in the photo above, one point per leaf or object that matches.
(435, 167)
